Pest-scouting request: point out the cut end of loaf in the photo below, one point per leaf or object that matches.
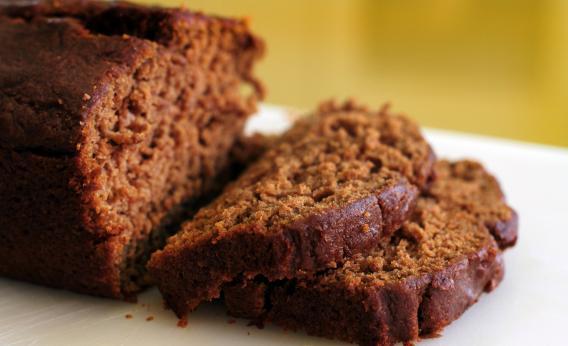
(145, 131)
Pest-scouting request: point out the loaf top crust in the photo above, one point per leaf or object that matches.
(62, 59)
(53, 74)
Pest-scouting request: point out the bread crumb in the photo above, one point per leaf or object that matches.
(128, 316)
(60, 101)
(182, 323)
(150, 318)
(86, 97)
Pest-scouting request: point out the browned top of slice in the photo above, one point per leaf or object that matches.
(339, 155)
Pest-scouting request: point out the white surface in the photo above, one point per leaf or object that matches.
(529, 308)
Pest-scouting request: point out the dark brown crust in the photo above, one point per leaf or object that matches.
(67, 68)
(42, 113)
(44, 243)
(505, 233)
(404, 310)
(458, 287)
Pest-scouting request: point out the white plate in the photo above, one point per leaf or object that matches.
(530, 307)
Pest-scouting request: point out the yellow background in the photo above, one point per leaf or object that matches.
(497, 67)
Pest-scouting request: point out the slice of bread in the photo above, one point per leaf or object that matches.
(434, 267)
(334, 185)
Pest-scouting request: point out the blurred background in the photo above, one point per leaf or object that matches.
(484, 66)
